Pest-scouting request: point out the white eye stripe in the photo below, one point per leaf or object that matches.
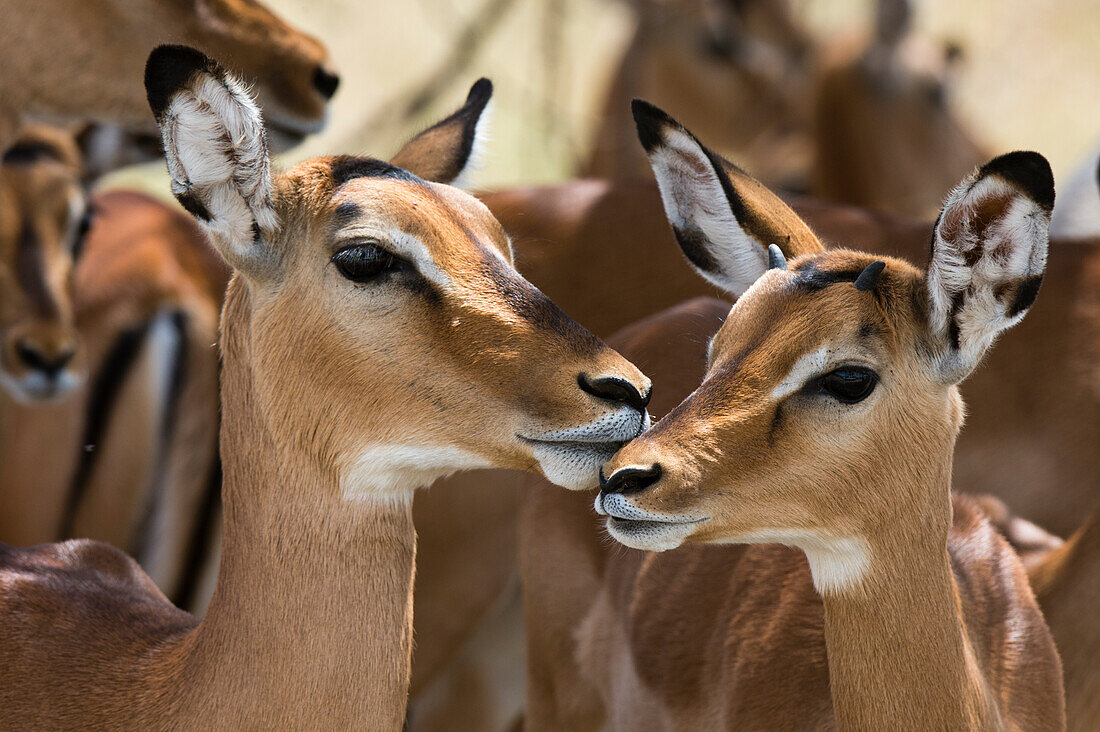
(805, 368)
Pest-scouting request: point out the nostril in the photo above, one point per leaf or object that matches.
(325, 81)
(35, 359)
(614, 389)
(630, 480)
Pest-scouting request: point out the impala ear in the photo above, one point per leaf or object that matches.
(449, 151)
(989, 252)
(723, 218)
(216, 149)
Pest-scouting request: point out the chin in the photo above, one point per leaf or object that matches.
(649, 536)
(575, 466)
(34, 388)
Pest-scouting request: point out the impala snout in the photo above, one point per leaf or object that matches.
(40, 366)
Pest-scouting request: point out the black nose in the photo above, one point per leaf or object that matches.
(630, 480)
(614, 389)
(38, 361)
(325, 81)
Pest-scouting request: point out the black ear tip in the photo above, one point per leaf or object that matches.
(480, 93)
(1029, 171)
(649, 120)
(167, 70)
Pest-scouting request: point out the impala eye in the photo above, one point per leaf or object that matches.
(365, 262)
(849, 384)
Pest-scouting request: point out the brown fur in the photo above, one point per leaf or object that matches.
(1067, 586)
(83, 60)
(317, 569)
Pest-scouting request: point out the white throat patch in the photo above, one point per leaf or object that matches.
(393, 472)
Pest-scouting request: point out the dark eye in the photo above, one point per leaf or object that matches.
(365, 262)
(849, 385)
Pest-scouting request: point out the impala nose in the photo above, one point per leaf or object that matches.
(325, 81)
(37, 360)
(615, 389)
(630, 480)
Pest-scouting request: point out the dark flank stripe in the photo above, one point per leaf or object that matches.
(142, 537)
(102, 397)
(202, 539)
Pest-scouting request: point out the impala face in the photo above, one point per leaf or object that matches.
(43, 219)
(831, 388)
(385, 306)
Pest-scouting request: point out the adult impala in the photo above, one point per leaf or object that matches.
(82, 60)
(375, 337)
(825, 421)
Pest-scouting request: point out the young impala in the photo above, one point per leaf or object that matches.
(375, 337)
(825, 421)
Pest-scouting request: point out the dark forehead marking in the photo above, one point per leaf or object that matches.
(31, 151)
(811, 278)
(348, 167)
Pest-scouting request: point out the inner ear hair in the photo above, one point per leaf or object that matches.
(989, 254)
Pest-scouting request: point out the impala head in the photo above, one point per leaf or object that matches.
(830, 402)
(380, 316)
(741, 70)
(43, 219)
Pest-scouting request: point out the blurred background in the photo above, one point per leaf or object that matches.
(1028, 75)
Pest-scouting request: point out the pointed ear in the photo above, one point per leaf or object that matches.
(893, 18)
(449, 151)
(217, 155)
(989, 252)
(723, 218)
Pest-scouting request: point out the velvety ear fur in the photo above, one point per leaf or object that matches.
(216, 149)
(723, 218)
(989, 252)
(449, 151)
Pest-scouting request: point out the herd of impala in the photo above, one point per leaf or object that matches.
(214, 421)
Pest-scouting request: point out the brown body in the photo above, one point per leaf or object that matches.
(1067, 586)
(825, 420)
(348, 271)
(67, 60)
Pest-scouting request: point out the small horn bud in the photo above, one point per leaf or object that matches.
(776, 260)
(868, 278)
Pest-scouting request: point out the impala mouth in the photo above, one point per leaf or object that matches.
(640, 529)
(572, 457)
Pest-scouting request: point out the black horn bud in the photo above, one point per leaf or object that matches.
(868, 278)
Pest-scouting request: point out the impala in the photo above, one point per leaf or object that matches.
(108, 313)
(825, 421)
(81, 60)
(375, 337)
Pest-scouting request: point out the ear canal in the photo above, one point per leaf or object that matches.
(868, 278)
(776, 260)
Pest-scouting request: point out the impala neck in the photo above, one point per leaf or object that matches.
(311, 622)
(899, 653)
